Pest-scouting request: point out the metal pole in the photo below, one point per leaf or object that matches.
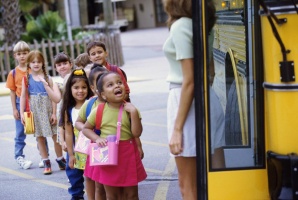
(108, 13)
(68, 23)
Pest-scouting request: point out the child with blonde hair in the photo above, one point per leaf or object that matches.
(14, 83)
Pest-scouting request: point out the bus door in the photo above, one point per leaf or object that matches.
(231, 114)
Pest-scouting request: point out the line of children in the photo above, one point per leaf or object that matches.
(77, 90)
(43, 96)
(120, 181)
(14, 83)
(94, 189)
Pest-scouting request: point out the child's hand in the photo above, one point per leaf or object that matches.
(16, 114)
(23, 120)
(141, 152)
(53, 119)
(72, 161)
(101, 142)
(64, 146)
(42, 80)
(129, 107)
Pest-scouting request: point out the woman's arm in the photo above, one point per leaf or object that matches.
(186, 98)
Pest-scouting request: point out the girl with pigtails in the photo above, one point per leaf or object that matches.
(43, 95)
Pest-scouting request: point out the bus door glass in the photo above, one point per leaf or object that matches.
(233, 135)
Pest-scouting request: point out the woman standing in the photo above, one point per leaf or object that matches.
(178, 49)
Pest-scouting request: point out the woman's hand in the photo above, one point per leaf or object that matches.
(176, 142)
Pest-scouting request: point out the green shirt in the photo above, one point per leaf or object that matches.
(109, 122)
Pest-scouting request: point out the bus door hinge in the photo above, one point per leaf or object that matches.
(294, 174)
(287, 73)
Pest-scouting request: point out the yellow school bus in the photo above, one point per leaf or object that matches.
(246, 99)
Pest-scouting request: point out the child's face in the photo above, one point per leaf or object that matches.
(36, 65)
(79, 90)
(63, 68)
(21, 57)
(98, 55)
(113, 89)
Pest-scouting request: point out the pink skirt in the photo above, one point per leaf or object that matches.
(129, 171)
(88, 172)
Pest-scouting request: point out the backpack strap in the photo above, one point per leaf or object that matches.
(98, 120)
(14, 73)
(89, 106)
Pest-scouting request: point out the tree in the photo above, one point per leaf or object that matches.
(11, 21)
(11, 16)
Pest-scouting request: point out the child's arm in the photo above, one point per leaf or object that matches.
(13, 95)
(79, 124)
(139, 146)
(136, 125)
(62, 139)
(54, 115)
(52, 89)
(89, 133)
(69, 141)
(23, 101)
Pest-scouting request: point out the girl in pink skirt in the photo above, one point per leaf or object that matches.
(120, 181)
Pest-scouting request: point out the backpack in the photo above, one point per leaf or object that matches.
(98, 113)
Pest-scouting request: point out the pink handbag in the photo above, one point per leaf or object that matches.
(107, 155)
(82, 144)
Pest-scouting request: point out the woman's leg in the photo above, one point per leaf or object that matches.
(130, 193)
(187, 175)
(90, 188)
(100, 193)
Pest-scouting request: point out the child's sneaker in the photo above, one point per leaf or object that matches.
(47, 167)
(25, 164)
(61, 163)
(41, 164)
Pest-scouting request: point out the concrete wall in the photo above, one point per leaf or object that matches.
(145, 16)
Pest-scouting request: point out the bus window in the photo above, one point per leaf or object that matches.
(232, 138)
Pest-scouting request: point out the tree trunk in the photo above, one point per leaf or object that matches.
(11, 21)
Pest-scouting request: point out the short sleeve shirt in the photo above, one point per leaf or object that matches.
(178, 46)
(82, 112)
(109, 122)
(14, 83)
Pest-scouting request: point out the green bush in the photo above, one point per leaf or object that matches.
(47, 26)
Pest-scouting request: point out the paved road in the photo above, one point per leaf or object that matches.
(146, 69)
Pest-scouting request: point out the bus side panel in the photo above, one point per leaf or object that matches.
(235, 185)
(281, 112)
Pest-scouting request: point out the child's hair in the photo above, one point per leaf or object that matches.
(82, 60)
(61, 57)
(21, 46)
(95, 68)
(68, 101)
(95, 44)
(100, 83)
(31, 56)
